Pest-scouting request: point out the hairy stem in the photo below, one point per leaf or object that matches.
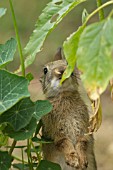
(101, 12)
(18, 38)
(12, 147)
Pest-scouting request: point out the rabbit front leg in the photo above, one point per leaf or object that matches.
(71, 157)
(81, 148)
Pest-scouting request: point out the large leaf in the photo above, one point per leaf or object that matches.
(2, 11)
(7, 51)
(5, 161)
(12, 89)
(42, 107)
(19, 115)
(70, 47)
(47, 165)
(95, 56)
(55, 11)
(24, 133)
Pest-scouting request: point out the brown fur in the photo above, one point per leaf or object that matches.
(67, 123)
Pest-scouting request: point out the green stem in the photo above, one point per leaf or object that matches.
(18, 159)
(18, 38)
(101, 12)
(22, 158)
(29, 154)
(38, 155)
(12, 147)
(97, 10)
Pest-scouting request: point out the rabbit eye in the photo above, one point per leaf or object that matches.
(45, 70)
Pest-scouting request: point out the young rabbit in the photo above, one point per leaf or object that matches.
(68, 122)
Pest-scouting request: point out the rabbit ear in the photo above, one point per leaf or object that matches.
(58, 55)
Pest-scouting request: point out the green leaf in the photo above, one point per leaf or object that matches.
(12, 89)
(5, 161)
(19, 115)
(47, 165)
(2, 11)
(24, 133)
(95, 56)
(29, 76)
(70, 47)
(54, 12)
(42, 107)
(21, 166)
(7, 51)
(3, 139)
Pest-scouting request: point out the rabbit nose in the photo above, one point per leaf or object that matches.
(59, 72)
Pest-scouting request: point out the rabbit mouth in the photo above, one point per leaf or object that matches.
(67, 85)
(55, 88)
(55, 83)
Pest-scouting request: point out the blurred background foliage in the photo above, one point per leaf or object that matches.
(27, 13)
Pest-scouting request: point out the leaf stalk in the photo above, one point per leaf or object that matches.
(18, 38)
(97, 10)
(101, 11)
(12, 147)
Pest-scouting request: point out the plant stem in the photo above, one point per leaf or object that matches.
(18, 38)
(38, 155)
(95, 11)
(29, 154)
(22, 158)
(101, 12)
(12, 147)
(18, 159)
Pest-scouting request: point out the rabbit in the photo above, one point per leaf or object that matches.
(68, 122)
